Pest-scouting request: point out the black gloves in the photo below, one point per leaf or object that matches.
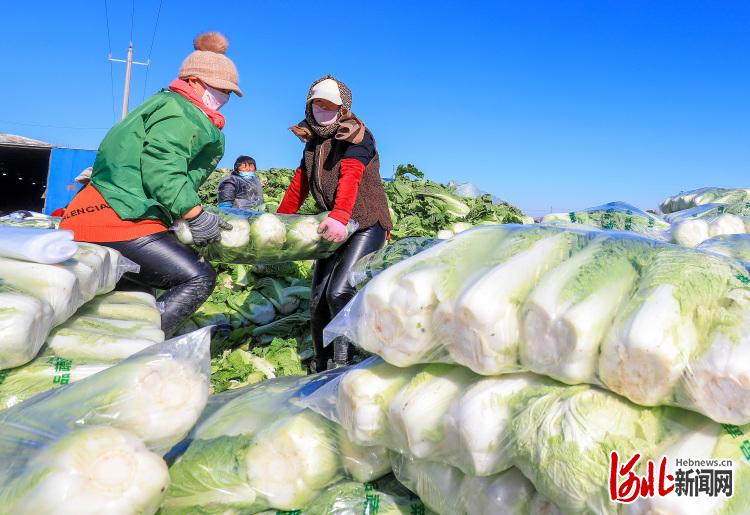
(206, 228)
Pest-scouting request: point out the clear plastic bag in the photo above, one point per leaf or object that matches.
(560, 437)
(447, 491)
(701, 196)
(256, 448)
(382, 497)
(654, 322)
(736, 246)
(372, 264)
(40, 375)
(443, 413)
(694, 226)
(85, 471)
(615, 216)
(266, 237)
(30, 219)
(36, 297)
(128, 322)
(157, 394)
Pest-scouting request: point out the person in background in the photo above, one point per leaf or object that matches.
(146, 176)
(340, 167)
(242, 188)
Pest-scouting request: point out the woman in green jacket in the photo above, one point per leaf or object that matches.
(146, 176)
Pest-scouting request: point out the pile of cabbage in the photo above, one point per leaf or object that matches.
(520, 443)
(656, 323)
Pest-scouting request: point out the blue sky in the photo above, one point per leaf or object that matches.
(551, 105)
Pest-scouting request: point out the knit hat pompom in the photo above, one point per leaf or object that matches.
(211, 42)
(209, 64)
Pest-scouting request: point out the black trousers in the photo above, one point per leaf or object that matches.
(169, 265)
(330, 286)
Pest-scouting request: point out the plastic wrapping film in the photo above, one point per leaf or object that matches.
(736, 246)
(372, 264)
(47, 246)
(36, 297)
(30, 219)
(689, 199)
(615, 216)
(266, 237)
(657, 323)
(256, 448)
(560, 437)
(693, 226)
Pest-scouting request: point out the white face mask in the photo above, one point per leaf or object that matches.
(324, 116)
(214, 99)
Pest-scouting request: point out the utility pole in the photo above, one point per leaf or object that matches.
(128, 65)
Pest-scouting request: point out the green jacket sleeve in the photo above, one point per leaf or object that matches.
(167, 150)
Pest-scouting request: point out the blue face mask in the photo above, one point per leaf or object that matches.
(247, 175)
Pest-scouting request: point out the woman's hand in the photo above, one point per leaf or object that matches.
(332, 230)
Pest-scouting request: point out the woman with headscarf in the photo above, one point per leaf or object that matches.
(146, 176)
(340, 167)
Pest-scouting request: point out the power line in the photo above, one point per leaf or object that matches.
(150, 50)
(111, 69)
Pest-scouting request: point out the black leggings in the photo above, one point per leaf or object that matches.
(330, 285)
(169, 265)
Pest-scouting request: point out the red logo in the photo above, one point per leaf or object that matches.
(633, 486)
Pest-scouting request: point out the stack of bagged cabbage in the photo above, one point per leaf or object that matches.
(516, 358)
(715, 219)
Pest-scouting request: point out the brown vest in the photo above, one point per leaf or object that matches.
(322, 163)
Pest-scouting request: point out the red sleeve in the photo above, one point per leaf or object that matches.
(295, 194)
(60, 211)
(352, 171)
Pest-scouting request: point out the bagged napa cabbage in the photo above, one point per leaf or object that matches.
(266, 237)
(443, 413)
(614, 216)
(157, 394)
(736, 246)
(701, 439)
(657, 323)
(255, 449)
(379, 498)
(129, 322)
(42, 374)
(36, 297)
(564, 436)
(372, 264)
(447, 491)
(30, 219)
(85, 471)
(691, 231)
(701, 196)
